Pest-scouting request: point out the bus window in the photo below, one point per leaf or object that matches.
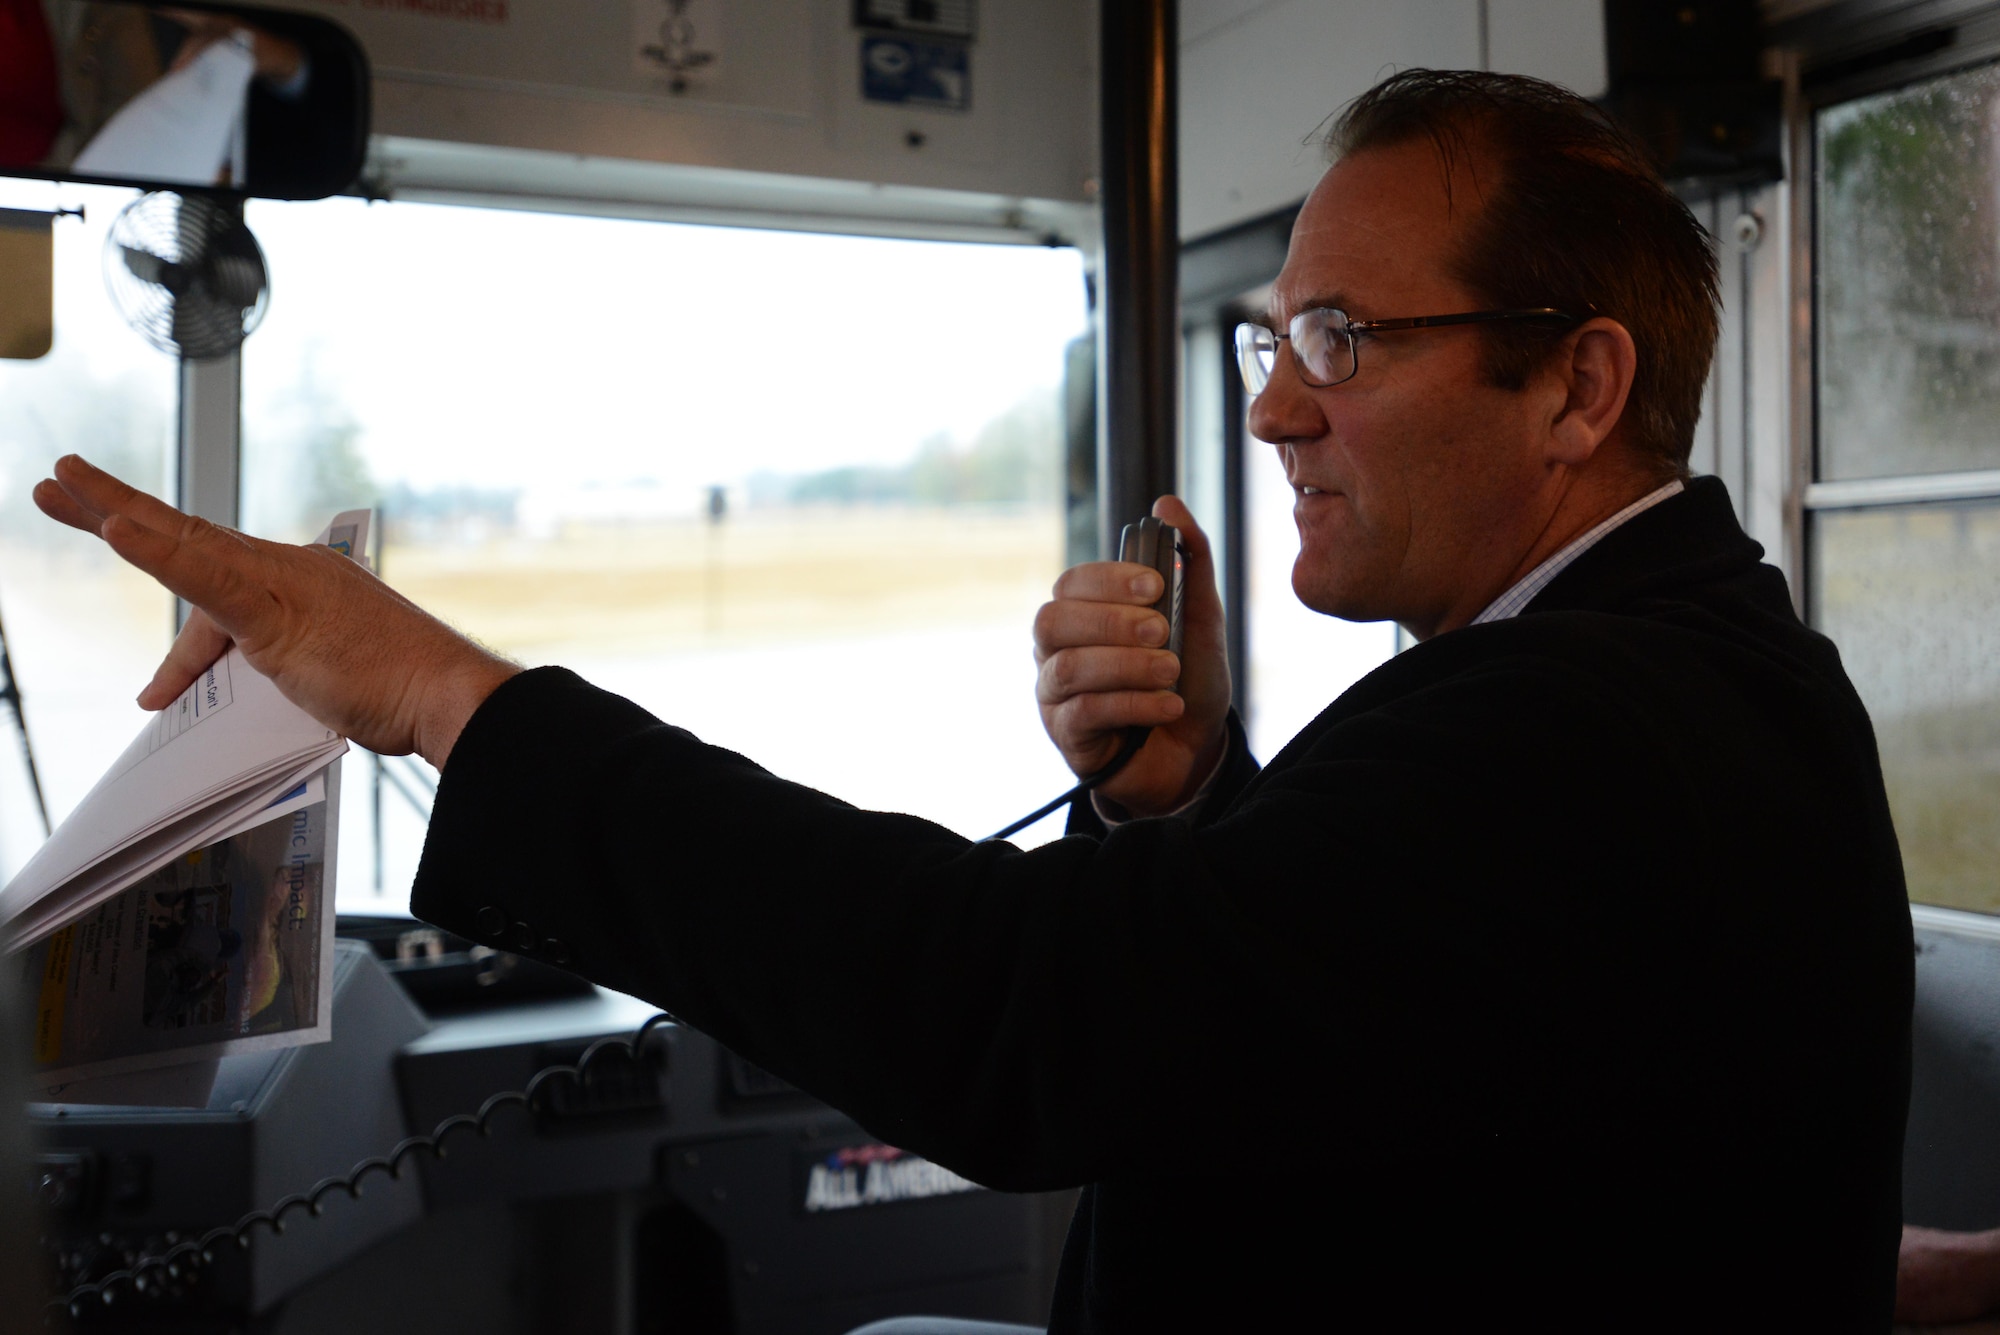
(798, 493)
(1904, 513)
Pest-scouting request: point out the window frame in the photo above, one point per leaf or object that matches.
(1855, 54)
(1832, 73)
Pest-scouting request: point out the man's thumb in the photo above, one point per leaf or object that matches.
(1171, 510)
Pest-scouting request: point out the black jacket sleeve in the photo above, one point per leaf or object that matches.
(995, 1009)
(1020, 1016)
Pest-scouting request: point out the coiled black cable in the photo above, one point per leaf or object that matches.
(202, 1249)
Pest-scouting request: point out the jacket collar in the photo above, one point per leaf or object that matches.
(1688, 539)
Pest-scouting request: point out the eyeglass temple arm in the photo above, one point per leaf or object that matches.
(1465, 317)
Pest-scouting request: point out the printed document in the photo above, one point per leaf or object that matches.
(184, 910)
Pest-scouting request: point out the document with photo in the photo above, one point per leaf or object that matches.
(182, 912)
(209, 762)
(223, 950)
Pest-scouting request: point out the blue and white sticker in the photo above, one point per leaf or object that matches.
(916, 71)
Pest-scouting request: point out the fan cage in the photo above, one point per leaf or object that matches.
(208, 287)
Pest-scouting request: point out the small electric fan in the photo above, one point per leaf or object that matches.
(186, 273)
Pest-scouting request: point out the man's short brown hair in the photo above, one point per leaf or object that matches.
(1577, 219)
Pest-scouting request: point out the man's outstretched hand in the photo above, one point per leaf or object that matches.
(1103, 670)
(339, 643)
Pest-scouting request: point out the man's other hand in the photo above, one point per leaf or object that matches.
(1944, 1276)
(1103, 670)
(339, 643)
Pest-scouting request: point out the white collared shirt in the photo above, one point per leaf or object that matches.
(1523, 592)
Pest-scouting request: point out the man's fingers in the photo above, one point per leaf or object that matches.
(1068, 624)
(58, 505)
(1101, 668)
(200, 643)
(1084, 719)
(103, 495)
(179, 561)
(159, 555)
(1110, 582)
(156, 538)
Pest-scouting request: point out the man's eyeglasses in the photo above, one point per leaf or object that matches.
(1323, 341)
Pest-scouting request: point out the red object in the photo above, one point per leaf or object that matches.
(30, 98)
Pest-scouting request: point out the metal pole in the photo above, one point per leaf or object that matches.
(208, 476)
(1138, 180)
(10, 695)
(208, 473)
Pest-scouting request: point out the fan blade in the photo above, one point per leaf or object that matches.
(235, 280)
(203, 327)
(146, 266)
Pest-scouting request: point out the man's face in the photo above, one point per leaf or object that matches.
(1417, 485)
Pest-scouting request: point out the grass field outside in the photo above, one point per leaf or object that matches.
(765, 577)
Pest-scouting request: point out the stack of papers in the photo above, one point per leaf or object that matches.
(182, 911)
(230, 754)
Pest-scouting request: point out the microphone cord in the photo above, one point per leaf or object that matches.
(1134, 738)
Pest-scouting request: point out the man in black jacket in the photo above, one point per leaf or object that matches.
(1556, 977)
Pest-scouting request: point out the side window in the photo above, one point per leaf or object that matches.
(800, 494)
(83, 630)
(1903, 513)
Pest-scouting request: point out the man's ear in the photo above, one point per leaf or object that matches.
(1595, 367)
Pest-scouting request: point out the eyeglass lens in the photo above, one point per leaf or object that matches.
(1256, 353)
(1320, 343)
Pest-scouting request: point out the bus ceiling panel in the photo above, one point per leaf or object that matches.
(1259, 81)
(992, 99)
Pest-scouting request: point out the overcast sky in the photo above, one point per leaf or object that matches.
(508, 349)
(502, 348)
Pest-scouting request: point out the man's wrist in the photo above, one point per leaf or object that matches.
(1206, 768)
(1201, 781)
(453, 702)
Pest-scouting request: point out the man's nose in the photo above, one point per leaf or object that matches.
(1286, 410)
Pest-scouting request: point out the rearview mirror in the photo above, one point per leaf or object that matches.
(185, 96)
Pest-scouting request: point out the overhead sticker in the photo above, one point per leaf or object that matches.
(917, 72)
